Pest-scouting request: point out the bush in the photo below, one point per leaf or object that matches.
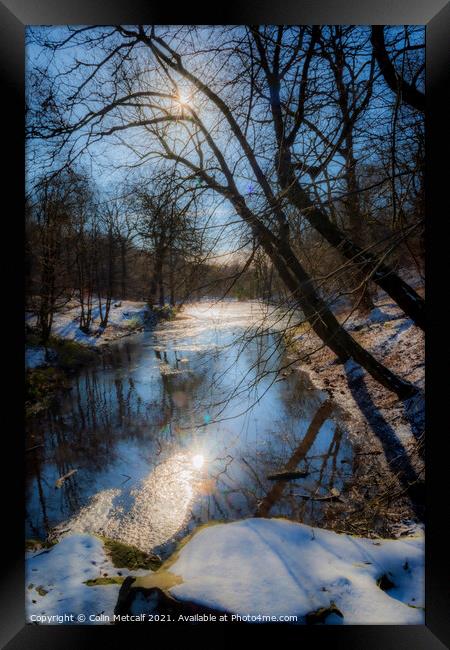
(72, 355)
(41, 387)
(167, 312)
(124, 555)
(133, 323)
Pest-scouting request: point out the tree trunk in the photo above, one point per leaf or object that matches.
(316, 311)
(362, 297)
(162, 297)
(156, 283)
(406, 298)
(172, 280)
(123, 259)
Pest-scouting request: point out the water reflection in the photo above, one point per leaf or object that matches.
(173, 429)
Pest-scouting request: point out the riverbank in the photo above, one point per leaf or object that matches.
(49, 368)
(375, 417)
(125, 318)
(251, 569)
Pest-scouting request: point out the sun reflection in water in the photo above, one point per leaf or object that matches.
(198, 461)
(160, 506)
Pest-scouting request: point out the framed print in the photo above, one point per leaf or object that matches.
(228, 224)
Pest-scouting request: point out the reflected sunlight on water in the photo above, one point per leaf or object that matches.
(197, 461)
(180, 426)
(160, 506)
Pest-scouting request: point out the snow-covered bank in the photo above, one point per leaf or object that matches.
(377, 421)
(125, 317)
(392, 339)
(55, 581)
(277, 567)
(35, 357)
(256, 567)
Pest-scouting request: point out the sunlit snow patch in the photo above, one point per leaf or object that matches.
(277, 567)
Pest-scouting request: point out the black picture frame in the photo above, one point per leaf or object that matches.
(435, 14)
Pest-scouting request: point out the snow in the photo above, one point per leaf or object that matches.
(267, 567)
(35, 357)
(66, 323)
(369, 409)
(62, 571)
(353, 369)
(277, 567)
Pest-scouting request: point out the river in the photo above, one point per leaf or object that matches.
(182, 425)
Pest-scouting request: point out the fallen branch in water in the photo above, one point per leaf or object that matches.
(35, 447)
(287, 476)
(62, 479)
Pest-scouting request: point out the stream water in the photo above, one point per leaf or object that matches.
(182, 425)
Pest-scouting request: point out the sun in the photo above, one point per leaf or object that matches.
(183, 99)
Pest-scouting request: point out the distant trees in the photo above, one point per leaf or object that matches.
(139, 242)
(48, 231)
(168, 231)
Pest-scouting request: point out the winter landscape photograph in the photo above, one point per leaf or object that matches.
(224, 324)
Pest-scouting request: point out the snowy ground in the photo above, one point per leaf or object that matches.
(398, 344)
(376, 419)
(125, 317)
(35, 357)
(55, 580)
(277, 567)
(267, 567)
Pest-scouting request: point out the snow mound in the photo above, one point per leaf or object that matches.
(277, 567)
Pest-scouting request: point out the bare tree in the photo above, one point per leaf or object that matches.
(394, 79)
(286, 131)
(209, 138)
(51, 206)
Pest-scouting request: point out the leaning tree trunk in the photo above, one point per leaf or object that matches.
(316, 311)
(296, 279)
(334, 335)
(405, 297)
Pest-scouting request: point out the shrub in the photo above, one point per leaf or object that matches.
(72, 355)
(41, 387)
(133, 323)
